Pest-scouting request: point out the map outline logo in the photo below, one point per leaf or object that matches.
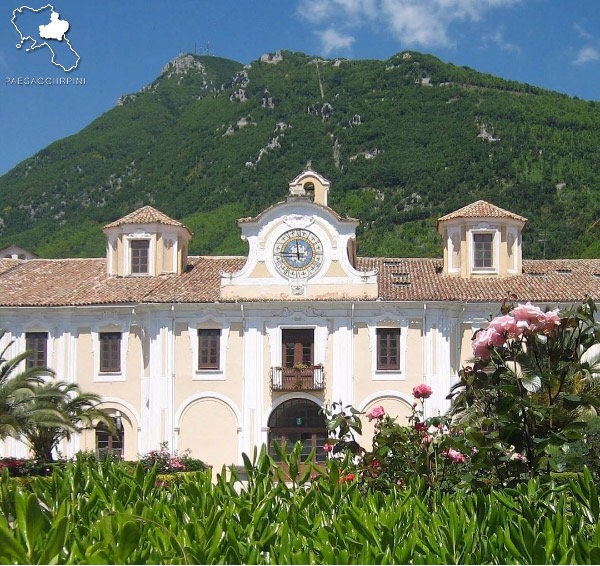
(55, 29)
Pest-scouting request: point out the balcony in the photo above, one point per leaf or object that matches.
(298, 378)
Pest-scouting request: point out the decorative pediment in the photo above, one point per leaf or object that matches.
(299, 249)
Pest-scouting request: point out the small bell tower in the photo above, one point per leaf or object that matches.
(312, 185)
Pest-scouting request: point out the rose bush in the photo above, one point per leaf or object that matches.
(428, 448)
(515, 411)
(530, 387)
(168, 463)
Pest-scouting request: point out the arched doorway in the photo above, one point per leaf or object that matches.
(298, 420)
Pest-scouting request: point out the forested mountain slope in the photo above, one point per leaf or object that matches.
(403, 142)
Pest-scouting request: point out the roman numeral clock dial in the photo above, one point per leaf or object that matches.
(298, 254)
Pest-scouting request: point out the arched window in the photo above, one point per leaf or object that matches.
(309, 190)
(298, 420)
(107, 444)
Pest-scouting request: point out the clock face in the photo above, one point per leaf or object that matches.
(298, 253)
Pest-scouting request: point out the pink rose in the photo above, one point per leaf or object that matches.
(481, 345)
(376, 413)
(455, 456)
(422, 391)
(327, 447)
(496, 337)
(529, 314)
(535, 318)
(507, 325)
(551, 321)
(484, 339)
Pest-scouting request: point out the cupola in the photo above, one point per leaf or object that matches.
(482, 240)
(146, 242)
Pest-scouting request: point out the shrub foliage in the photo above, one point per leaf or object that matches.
(100, 515)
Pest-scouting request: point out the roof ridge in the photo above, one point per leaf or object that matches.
(481, 209)
(146, 214)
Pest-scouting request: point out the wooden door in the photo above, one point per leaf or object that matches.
(297, 347)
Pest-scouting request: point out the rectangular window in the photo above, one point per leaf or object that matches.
(110, 352)
(209, 343)
(388, 349)
(139, 256)
(37, 344)
(483, 249)
(297, 347)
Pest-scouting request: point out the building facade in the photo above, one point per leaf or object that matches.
(219, 355)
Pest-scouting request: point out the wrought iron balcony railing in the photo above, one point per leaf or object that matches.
(310, 378)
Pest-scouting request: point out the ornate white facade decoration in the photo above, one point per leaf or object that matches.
(298, 220)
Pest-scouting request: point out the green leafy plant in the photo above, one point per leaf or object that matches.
(78, 410)
(97, 514)
(19, 388)
(531, 385)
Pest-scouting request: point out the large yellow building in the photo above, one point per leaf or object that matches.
(222, 354)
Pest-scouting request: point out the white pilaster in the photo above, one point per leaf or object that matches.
(341, 382)
(253, 383)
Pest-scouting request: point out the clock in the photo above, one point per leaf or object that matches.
(298, 254)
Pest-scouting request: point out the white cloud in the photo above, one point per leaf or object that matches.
(332, 40)
(349, 11)
(582, 32)
(587, 55)
(591, 51)
(415, 23)
(497, 38)
(423, 23)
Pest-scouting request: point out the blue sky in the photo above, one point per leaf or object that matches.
(123, 45)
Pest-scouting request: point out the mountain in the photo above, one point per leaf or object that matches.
(403, 141)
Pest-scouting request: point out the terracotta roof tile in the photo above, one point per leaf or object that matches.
(8, 264)
(482, 209)
(79, 282)
(145, 215)
(542, 280)
(201, 282)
